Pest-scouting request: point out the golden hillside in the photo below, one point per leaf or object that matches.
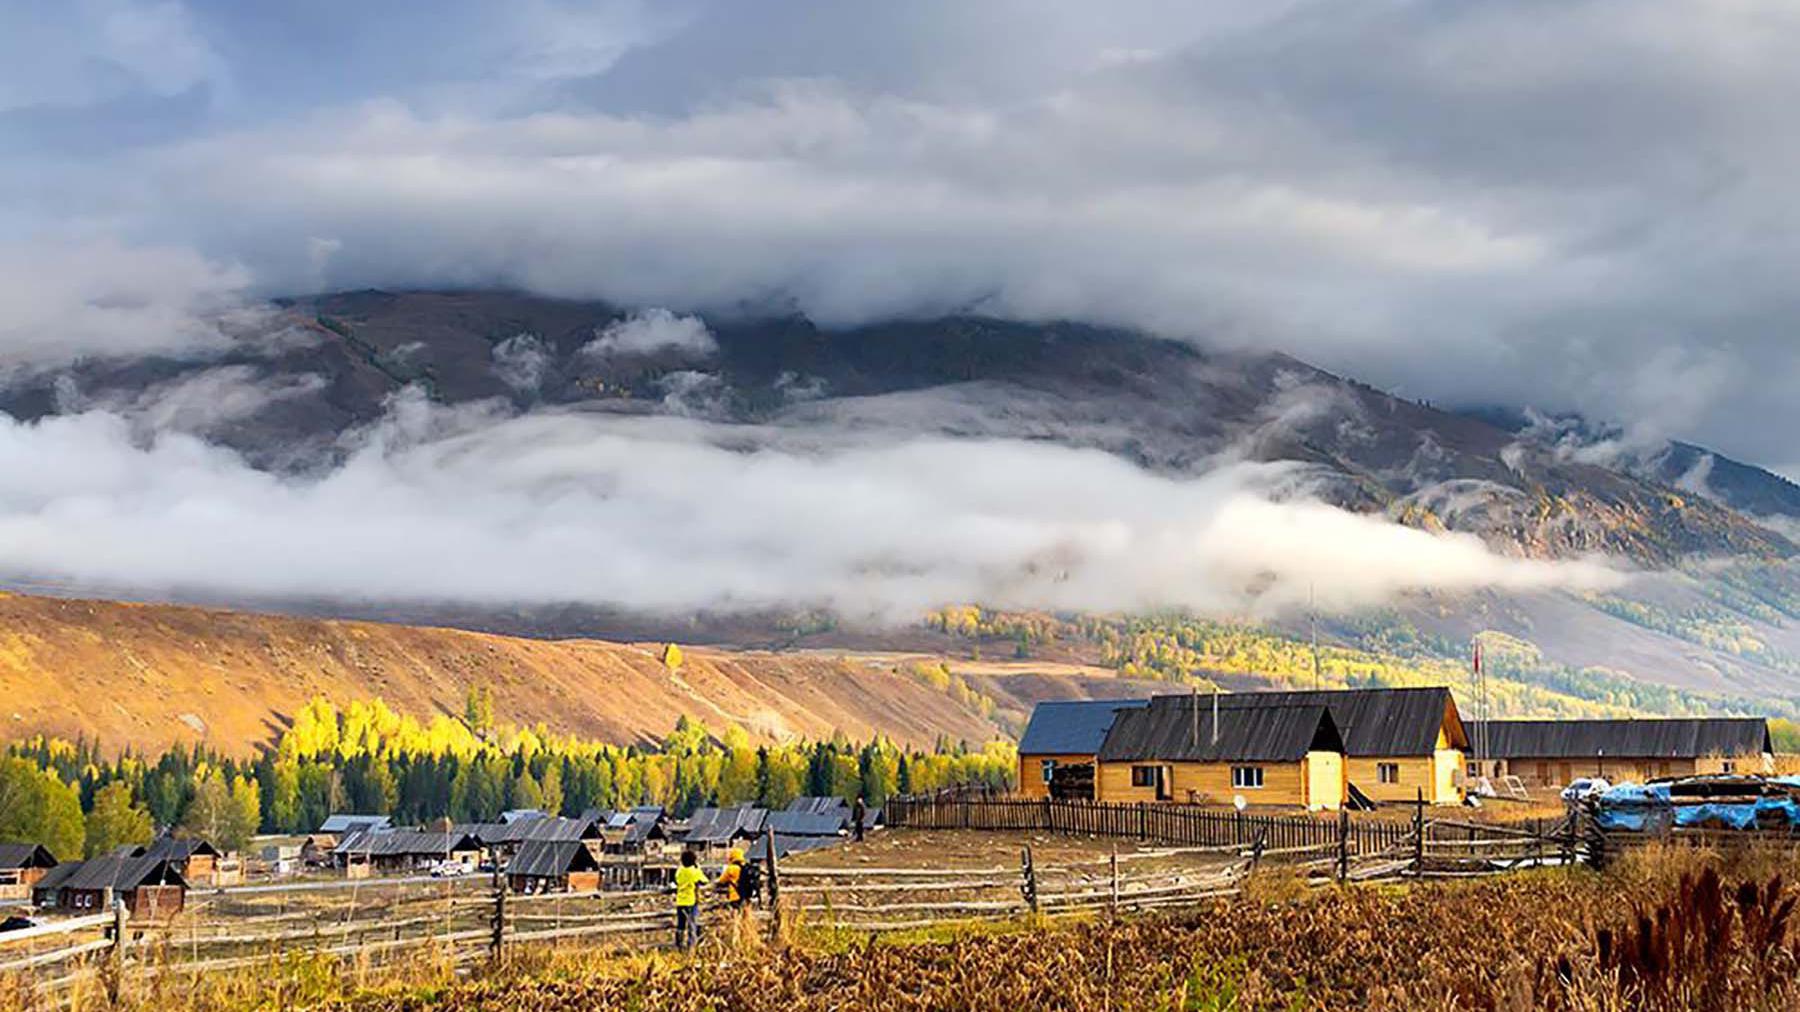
(147, 675)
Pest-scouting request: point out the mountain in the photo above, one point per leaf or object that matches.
(318, 368)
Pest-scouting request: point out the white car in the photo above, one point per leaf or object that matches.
(449, 869)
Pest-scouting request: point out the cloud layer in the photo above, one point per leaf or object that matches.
(475, 505)
(1582, 205)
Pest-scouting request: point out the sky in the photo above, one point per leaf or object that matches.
(1572, 205)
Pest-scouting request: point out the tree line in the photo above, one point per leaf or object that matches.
(367, 758)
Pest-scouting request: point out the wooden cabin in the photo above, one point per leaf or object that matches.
(199, 862)
(553, 866)
(1553, 753)
(399, 852)
(1209, 750)
(1398, 743)
(22, 865)
(150, 886)
(1057, 752)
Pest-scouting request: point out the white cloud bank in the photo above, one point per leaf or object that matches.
(668, 514)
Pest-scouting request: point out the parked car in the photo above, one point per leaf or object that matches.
(449, 869)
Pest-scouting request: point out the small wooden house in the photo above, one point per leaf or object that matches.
(1205, 749)
(553, 866)
(21, 866)
(199, 862)
(1057, 752)
(150, 886)
(1553, 753)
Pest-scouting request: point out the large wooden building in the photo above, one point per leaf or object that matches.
(1214, 749)
(1398, 743)
(1552, 753)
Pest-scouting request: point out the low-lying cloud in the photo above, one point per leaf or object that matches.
(663, 514)
(650, 332)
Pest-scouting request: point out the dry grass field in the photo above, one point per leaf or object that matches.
(1665, 929)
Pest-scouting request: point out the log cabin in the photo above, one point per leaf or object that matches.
(1553, 753)
(1399, 744)
(151, 887)
(1209, 750)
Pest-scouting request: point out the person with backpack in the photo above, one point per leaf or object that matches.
(750, 882)
(688, 880)
(730, 881)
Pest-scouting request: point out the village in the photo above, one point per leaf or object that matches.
(1133, 804)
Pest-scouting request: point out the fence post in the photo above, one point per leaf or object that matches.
(1143, 821)
(115, 984)
(1256, 849)
(1343, 861)
(1419, 836)
(1568, 841)
(497, 939)
(1113, 908)
(1029, 886)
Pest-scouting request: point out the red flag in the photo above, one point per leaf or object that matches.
(1478, 657)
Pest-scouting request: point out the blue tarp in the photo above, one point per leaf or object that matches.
(1739, 816)
(1622, 818)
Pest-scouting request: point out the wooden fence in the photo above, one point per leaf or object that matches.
(1180, 824)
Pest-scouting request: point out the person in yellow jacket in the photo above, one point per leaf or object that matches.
(688, 880)
(730, 880)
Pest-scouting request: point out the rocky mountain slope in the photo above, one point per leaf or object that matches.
(146, 675)
(318, 368)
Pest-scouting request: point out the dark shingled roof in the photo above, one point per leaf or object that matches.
(560, 828)
(26, 855)
(405, 843)
(1165, 730)
(1374, 722)
(785, 845)
(808, 823)
(1649, 738)
(1071, 726)
(818, 806)
(551, 859)
(722, 825)
(113, 872)
(343, 822)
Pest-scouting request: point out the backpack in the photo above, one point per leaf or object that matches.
(749, 880)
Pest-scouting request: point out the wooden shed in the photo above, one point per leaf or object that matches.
(1552, 753)
(198, 861)
(1208, 750)
(553, 866)
(1057, 752)
(21, 866)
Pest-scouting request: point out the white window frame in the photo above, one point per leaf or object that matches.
(1150, 771)
(1387, 773)
(1048, 766)
(1246, 778)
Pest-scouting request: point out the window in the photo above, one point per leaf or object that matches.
(1049, 767)
(1387, 773)
(1727, 766)
(1143, 776)
(1246, 777)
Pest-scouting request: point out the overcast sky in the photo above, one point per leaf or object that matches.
(1577, 204)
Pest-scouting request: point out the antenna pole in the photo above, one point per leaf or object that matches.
(1312, 604)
